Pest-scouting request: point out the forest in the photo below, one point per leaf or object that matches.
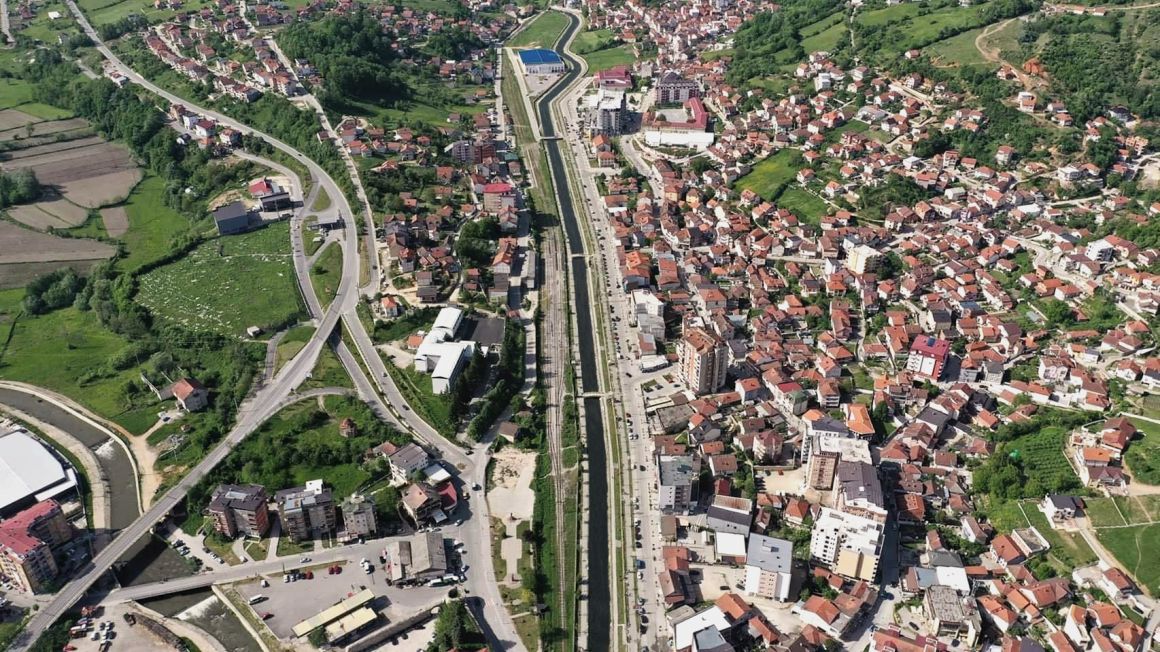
(352, 54)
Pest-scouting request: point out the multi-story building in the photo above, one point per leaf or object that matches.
(769, 567)
(240, 510)
(863, 259)
(848, 543)
(704, 359)
(358, 516)
(608, 113)
(859, 490)
(26, 542)
(422, 503)
(676, 481)
(928, 356)
(306, 512)
(672, 88)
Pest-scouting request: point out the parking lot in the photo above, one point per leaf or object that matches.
(293, 602)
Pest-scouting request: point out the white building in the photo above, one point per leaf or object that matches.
(29, 471)
(849, 544)
(863, 259)
(439, 354)
(769, 567)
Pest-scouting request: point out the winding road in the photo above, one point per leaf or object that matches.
(272, 395)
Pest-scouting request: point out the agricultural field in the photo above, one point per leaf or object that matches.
(89, 172)
(542, 32)
(201, 291)
(26, 254)
(1143, 455)
(1042, 457)
(905, 26)
(769, 176)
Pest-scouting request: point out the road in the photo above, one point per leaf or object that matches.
(269, 399)
(599, 596)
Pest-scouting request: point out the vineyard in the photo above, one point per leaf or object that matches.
(1043, 458)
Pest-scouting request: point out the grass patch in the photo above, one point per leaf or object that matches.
(257, 550)
(827, 39)
(1143, 454)
(1102, 512)
(405, 326)
(326, 274)
(287, 546)
(327, 372)
(621, 55)
(1068, 551)
(957, 50)
(152, 225)
(770, 177)
(804, 204)
(44, 111)
(542, 32)
(416, 388)
(67, 351)
(221, 547)
(14, 92)
(1134, 547)
(291, 343)
(322, 201)
(228, 284)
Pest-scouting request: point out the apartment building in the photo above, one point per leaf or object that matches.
(928, 356)
(240, 510)
(26, 542)
(306, 512)
(358, 516)
(677, 478)
(769, 567)
(704, 359)
(849, 544)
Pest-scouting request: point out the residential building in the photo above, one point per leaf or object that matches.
(26, 542)
(671, 88)
(928, 356)
(769, 567)
(306, 512)
(240, 510)
(704, 358)
(358, 516)
(848, 543)
(859, 490)
(730, 514)
(863, 259)
(677, 477)
(190, 395)
(608, 113)
(422, 503)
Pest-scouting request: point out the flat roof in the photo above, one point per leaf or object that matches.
(27, 468)
(350, 623)
(539, 55)
(331, 614)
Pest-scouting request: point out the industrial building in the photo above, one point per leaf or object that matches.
(30, 471)
(540, 61)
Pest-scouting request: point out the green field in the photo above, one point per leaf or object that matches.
(1143, 455)
(1135, 548)
(152, 224)
(542, 32)
(769, 176)
(67, 351)
(807, 206)
(957, 50)
(827, 39)
(621, 55)
(904, 28)
(14, 92)
(291, 343)
(415, 386)
(228, 284)
(1068, 549)
(592, 40)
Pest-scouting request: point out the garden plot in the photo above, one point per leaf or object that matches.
(42, 128)
(228, 284)
(11, 119)
(91, 175)
(55, 213)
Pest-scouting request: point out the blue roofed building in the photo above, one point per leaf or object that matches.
(540, 61)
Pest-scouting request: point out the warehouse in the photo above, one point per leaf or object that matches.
(541, 62)
(29, 471)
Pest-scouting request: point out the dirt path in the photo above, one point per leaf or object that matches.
(994, 54)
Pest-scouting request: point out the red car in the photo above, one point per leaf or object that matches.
(267, 616)
(309, 575)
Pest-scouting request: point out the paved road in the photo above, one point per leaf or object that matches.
(270, 398)
(599, 598)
